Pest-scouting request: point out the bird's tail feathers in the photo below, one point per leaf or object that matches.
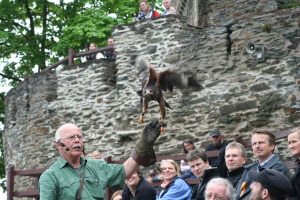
(167, 105)
(142, 63)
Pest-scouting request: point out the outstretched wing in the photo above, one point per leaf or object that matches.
(167, 80)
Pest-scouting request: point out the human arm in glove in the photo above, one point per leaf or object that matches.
(143, 153)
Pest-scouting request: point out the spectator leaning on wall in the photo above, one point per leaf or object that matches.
(169, 8)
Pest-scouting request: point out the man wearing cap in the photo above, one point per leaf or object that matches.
(263, 145)
(217, 144)
(269, 184)
(294, 146)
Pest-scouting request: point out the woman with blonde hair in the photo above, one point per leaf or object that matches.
(146, 12)
(117, 195)
(173, 187)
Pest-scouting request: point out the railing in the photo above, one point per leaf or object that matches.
(11, 173)
(70, 58)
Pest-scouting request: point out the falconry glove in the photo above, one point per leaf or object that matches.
(143, 152)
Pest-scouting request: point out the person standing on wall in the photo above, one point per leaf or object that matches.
(146, 12)
(94, 56)
(170, 10)
(111, 54)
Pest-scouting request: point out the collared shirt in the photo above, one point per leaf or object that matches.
(170, 11)
(261, 165)
(61, 180)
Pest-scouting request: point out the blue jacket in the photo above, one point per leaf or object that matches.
(274, 163)
(177, 189)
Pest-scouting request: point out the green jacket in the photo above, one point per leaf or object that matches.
(61, 180)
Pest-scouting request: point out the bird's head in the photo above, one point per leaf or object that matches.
(148, 94)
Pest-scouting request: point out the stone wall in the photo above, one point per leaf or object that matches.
(240, 93)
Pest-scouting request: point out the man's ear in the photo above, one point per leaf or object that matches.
(265, 193)
(244, 160)
(273, 146)
(58, 145)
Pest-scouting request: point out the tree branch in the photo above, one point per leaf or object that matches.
(10, 77)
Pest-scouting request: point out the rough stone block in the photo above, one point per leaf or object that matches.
(239, 106)
(259, 87)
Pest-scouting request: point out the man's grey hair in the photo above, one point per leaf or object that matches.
(222, 181)
(170, 1)
(236, 145)
(59, 131)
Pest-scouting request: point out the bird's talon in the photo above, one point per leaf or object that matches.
(162, 130)
(141, 120)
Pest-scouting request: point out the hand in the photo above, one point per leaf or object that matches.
(150, 133)
(143, 153)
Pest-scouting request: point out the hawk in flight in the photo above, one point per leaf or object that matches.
(153, 85)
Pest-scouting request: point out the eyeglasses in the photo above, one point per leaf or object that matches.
(214, 196)
(73, 137)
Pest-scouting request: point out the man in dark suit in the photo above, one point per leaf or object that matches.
(263, 145)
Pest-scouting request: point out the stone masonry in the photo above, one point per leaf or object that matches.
(100, 97)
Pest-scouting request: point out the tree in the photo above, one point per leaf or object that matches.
(36, 33)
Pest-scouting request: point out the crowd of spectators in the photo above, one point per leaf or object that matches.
(226, 176)
(73, 175)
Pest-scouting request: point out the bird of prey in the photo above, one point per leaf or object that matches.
(153, 85)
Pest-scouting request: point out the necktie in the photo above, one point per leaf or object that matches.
(243, 188)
